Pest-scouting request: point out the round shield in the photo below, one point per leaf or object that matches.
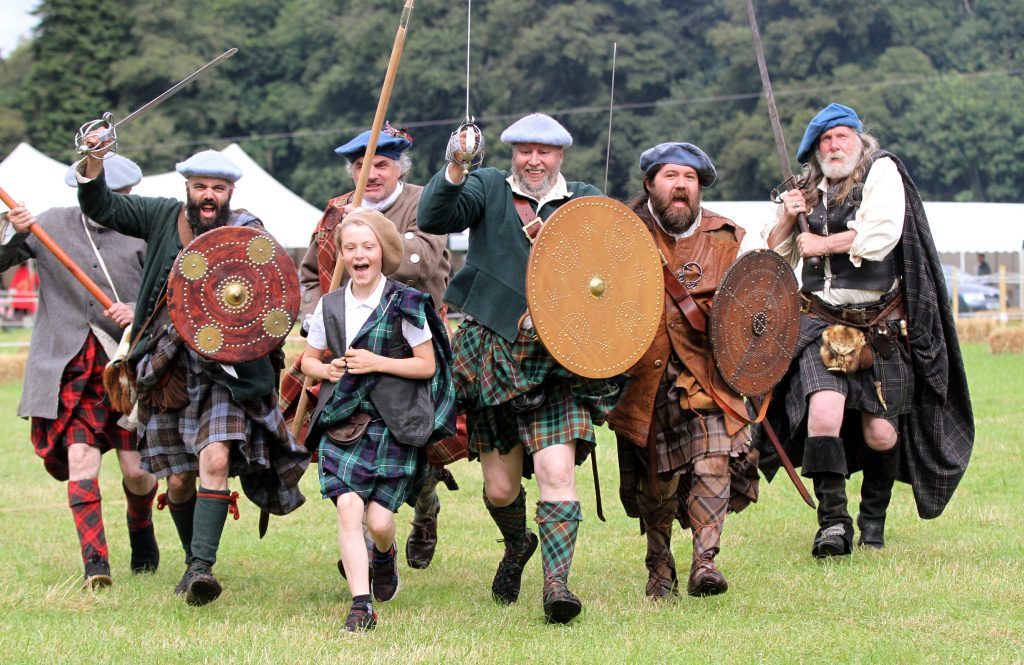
(233, 294)
(594, 287)
(755, 322)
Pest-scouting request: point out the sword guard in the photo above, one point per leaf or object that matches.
(776, 194)
(108, 136)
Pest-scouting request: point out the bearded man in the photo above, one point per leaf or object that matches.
(425, 267)
(878, 381)
(524, 412)
(196, 416)
(680, 454)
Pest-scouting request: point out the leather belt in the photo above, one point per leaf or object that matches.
(855, 316)
(531, 221)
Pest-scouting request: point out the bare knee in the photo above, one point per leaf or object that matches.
(135, 477)
(500, 490)
(181, 487)
(825, 413)
(380, 523)
(879, 434)
(83, 461)
(214, 462)
(716, 465)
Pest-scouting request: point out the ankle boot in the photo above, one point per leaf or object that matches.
(825, 463)
(880, 470)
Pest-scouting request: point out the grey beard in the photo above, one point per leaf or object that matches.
(838, 170)
(536, 192)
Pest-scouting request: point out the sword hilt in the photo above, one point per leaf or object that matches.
(107, 136)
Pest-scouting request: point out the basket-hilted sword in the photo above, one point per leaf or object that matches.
(108, 133)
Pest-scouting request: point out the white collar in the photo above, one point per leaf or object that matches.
(380, 206)
(352, 302)
(559, 191)
(678, 236)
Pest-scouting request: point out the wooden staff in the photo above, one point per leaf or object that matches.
(364, 175)
(62, 256)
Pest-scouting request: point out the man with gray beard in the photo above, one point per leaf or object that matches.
(878, 381)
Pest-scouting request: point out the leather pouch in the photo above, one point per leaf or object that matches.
(351, 430)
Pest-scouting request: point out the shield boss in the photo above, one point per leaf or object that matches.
(233, 294)
(594, 287)
(755, 322)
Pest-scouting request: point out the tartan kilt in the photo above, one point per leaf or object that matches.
(263, 454)
(376, 467)
(83, 413)
(489, 372)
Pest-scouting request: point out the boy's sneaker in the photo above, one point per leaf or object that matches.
(361, 617)
(385, 583)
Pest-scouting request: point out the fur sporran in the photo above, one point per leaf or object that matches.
(119, 377)
(845, 349)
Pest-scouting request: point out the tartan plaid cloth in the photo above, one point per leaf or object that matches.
(937, 435)
(83, 414)
(377, 466)
(263, 453)
(489, 372)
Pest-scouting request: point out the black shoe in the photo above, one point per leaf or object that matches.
(97, 573)
(202, 587)
(560, 604)
(360, 617)
(419, 548)
(182, 585)
(385, 582)
(509, 576)
(834, 540)
(145, 553)
(872, 532)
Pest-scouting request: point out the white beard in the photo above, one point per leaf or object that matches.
(837, 170)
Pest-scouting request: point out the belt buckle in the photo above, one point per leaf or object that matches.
(855, 315)
(529, 225)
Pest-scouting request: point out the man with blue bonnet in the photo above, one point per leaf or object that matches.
(878, 381)
(73, 338)
(425, 266)
(525, 413)
(681, 455)
(196, 417)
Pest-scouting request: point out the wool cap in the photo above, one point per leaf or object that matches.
(684, 154)
(831, 116)
(388, 146)
(209, 164)
(391, 248)
(119, 172)
(537, 128)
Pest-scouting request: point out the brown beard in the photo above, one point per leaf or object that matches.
(195, 220)
(674, 220)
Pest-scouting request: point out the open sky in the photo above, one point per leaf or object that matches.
(15, 23)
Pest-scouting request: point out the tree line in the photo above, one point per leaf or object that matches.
(939, 83)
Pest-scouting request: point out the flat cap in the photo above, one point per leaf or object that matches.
(388, 145)
(684, 154)
(537, 128)
(831, 116)
(392, 249)
(209, 164)
(119, 172)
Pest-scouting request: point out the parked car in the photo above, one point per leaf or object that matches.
(974, 294)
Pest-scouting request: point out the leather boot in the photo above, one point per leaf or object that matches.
(422, 541)
(825, 463)
(880, 470)
(707, 504)
(657, 516)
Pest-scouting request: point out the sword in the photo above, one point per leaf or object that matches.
(773, 115)
(110, 133)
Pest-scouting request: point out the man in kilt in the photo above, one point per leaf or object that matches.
(73, 423)
(425, 266)
(197, 417)
(684, 448)
(897, 406)
(525, 413)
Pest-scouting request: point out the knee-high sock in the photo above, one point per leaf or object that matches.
(511, 521)
(657, 515)
(558, 523)
(184, 515)
(84, 501)
(140, 508)
(707, 504)
(211, 513)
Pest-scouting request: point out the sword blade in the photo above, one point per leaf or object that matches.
(160, 99)
(769, 96)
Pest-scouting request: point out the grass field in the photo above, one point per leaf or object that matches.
(945, 590)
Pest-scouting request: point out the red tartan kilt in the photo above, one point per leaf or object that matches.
(83, 414)
(452, 448)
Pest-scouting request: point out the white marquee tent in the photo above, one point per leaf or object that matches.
(30, 176)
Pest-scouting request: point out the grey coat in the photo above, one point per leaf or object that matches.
(66, 309)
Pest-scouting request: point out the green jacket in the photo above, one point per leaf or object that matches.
(155, 220)
(491, 287)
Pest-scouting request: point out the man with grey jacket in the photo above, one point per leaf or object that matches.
(73, 337)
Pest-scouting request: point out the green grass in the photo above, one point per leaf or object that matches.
(945, 590)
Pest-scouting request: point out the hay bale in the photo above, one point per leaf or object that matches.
(1006, 340)
(12, 366)
(975, 330)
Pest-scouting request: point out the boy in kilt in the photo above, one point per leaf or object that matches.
(364, 468)
(197, 418)
(73, 423)
(525, 413)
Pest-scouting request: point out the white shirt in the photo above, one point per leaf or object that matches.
(380, 206)
(750, 240)
(356, 314)
(878, 223)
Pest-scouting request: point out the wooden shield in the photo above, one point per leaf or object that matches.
(755, 322)
(594, 287)
(233, 294)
